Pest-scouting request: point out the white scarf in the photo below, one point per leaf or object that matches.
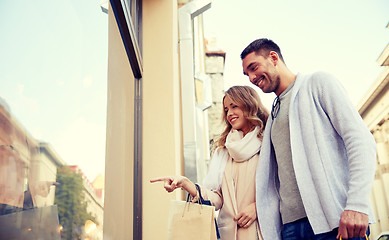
(239, 148)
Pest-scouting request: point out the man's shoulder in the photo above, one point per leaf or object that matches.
(318, 79)
(319, 84)
(320, 76)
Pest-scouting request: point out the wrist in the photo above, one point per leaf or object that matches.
(190, 187)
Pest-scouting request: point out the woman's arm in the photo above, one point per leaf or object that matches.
(174, 182)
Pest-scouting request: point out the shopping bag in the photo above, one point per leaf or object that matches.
(191, 221)
(206, 202)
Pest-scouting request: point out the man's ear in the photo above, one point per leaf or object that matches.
(274, 57)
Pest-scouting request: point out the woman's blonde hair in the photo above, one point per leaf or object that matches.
(247, 99)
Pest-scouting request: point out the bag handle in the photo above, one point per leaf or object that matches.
(207, 202)
(188, 202)
(201, 200)
(340, 238)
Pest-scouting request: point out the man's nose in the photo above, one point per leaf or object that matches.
(251, 77)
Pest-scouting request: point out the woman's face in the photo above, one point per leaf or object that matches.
(235, 116)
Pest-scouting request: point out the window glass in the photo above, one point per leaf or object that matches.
(53, 98)
(135, 10)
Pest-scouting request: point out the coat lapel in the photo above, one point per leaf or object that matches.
(230, 184)
(247, 182)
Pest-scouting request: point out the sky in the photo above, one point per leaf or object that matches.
(343, 37)
(53, 58)
(53, 75)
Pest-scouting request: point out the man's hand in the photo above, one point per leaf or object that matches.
(246, 217)
(352, 224)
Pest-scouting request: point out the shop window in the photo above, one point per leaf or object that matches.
(52, 119)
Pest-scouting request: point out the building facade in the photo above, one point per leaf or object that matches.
(157, 121)
(214, 67)
(95, 206)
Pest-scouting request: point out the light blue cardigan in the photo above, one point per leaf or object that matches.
(333, 156)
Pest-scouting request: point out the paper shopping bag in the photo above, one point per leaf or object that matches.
(191, 221)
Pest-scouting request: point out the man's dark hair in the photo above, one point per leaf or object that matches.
(262, 46)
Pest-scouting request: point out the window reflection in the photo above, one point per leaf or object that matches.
(40, 196)
(52, 119)
(12, 177)
(26, 187)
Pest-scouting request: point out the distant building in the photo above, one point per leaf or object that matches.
(98, 185)
(214, 68)
(27, 167)
(374, 109)
(47, 163)
(28, 172)
(95, 204)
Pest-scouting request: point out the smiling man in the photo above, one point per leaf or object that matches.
(317, 159)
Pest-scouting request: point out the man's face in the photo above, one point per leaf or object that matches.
(261, 72)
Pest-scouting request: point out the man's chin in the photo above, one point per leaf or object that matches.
(265, 90)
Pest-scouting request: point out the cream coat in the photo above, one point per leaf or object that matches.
(237, 191)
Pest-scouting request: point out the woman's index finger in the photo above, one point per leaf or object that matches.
(159, 179)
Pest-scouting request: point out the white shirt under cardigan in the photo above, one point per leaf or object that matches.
(333, 155)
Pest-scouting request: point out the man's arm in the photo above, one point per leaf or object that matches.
(361, 153)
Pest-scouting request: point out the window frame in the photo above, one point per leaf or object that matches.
(128, 15)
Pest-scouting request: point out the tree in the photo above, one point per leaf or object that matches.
(72, 207)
